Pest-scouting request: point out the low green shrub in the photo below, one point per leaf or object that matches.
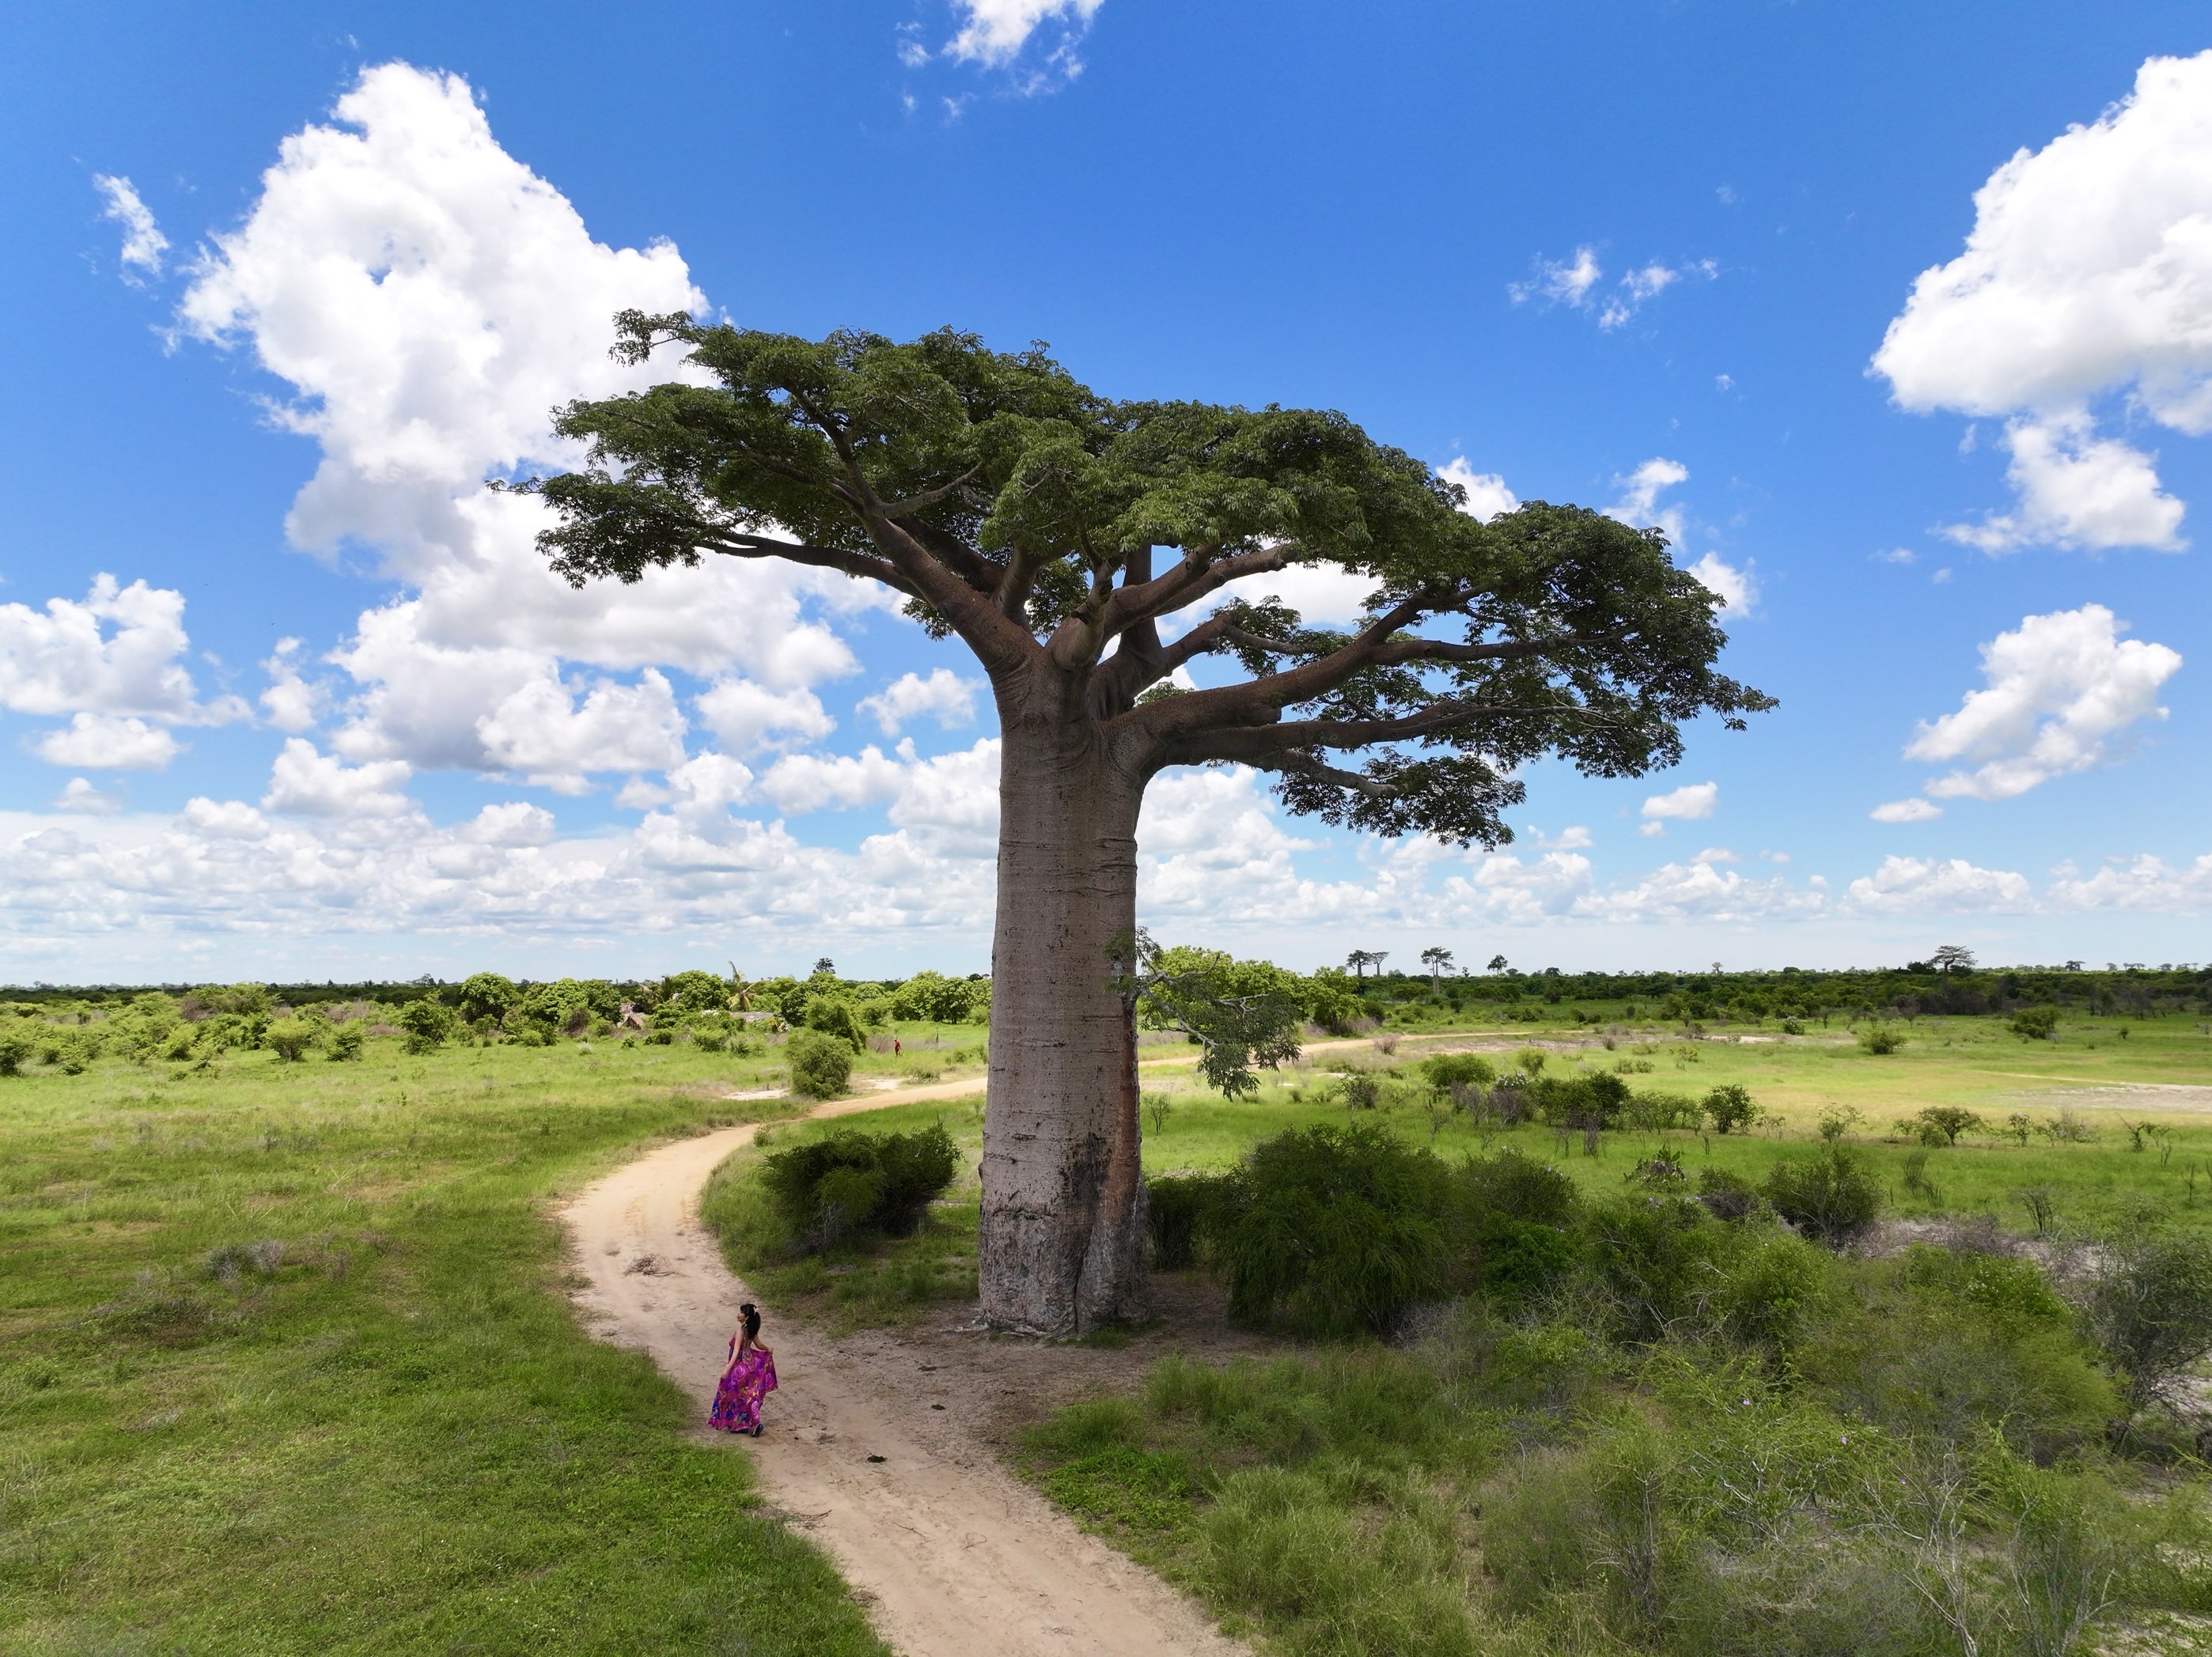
(348, 1041)
(290, 1038)
(2035, 1023)
(13, 1050)
(1334, 1231)
(1880, 1039)
(1444, 1070)
(429, 1024)
(821, 1064)
(849, 1181)
(1832, 1195)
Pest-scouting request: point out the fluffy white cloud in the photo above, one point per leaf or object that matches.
(2089, 270)
(550, 733)
(944, 695)
(800, 783)
(1638, 500)
(2144, 884)
(510, 823)
(222, 819)
(108, 742)
(1702, 890)
(428, 299)
(78, 795)
(291, 702)
(1692, 801)
(994, 32)
(1737, 589)
(1488, 497)
(2077, 490)
(1324, 594)
(115, 653)
(1916, 886)
(144, 244)
(2061, 688)
(310, 783)
(1906, 811)
(743, 715)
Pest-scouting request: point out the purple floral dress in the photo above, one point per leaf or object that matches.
(745, 1385)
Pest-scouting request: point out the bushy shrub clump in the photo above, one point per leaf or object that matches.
(1334, 1229)
(1831, 1194)
(13, 1050)
(821, 1064)
(290, 1038)
(429, 1024)
(849, 1182)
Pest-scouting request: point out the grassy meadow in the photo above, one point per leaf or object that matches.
(286, 1364)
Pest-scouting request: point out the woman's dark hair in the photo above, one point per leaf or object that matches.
(753, 1320)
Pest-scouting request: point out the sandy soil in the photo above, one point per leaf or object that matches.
(884, 1447)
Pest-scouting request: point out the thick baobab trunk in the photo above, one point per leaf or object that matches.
(1062, 1249)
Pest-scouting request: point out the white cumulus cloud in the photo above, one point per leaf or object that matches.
(2062, 689)
(1916, 886)
(744, 715)
(108, 742)
(1689, 803)
(114, 652)
(1488, 497)
(944, 696)
(78, 795)
(1736, 586)
(2088, 271)
(1906, 811)
(428, 300)
(311, 783)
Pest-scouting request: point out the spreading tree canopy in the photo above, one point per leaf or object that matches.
(1080, 545)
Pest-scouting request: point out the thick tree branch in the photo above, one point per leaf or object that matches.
(1196, 575)
(1259, 701)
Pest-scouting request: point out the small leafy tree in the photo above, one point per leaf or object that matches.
(2035, 1023)
(1941, 1124)
(487, 995)
(429, 1025)
(1730, 1107)
(821, 1064)
(13, 1050)
(349, 1041)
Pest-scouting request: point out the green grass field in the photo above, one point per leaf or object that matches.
(288, 1368)
(286, 1364)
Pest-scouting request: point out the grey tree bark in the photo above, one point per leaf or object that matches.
(1062, 1244)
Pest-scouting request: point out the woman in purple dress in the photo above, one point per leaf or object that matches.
(748, 1380)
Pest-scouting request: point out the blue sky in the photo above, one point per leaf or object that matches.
(285, 283)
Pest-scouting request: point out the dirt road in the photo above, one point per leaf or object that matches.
(955, 1555)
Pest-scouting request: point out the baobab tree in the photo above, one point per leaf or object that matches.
(1952, 958)
(1360, 959)
(1052, 531)
(1438, 961)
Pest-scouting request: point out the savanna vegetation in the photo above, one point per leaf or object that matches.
(1603, 1324)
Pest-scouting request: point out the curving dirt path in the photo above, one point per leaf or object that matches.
(953, 1554)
